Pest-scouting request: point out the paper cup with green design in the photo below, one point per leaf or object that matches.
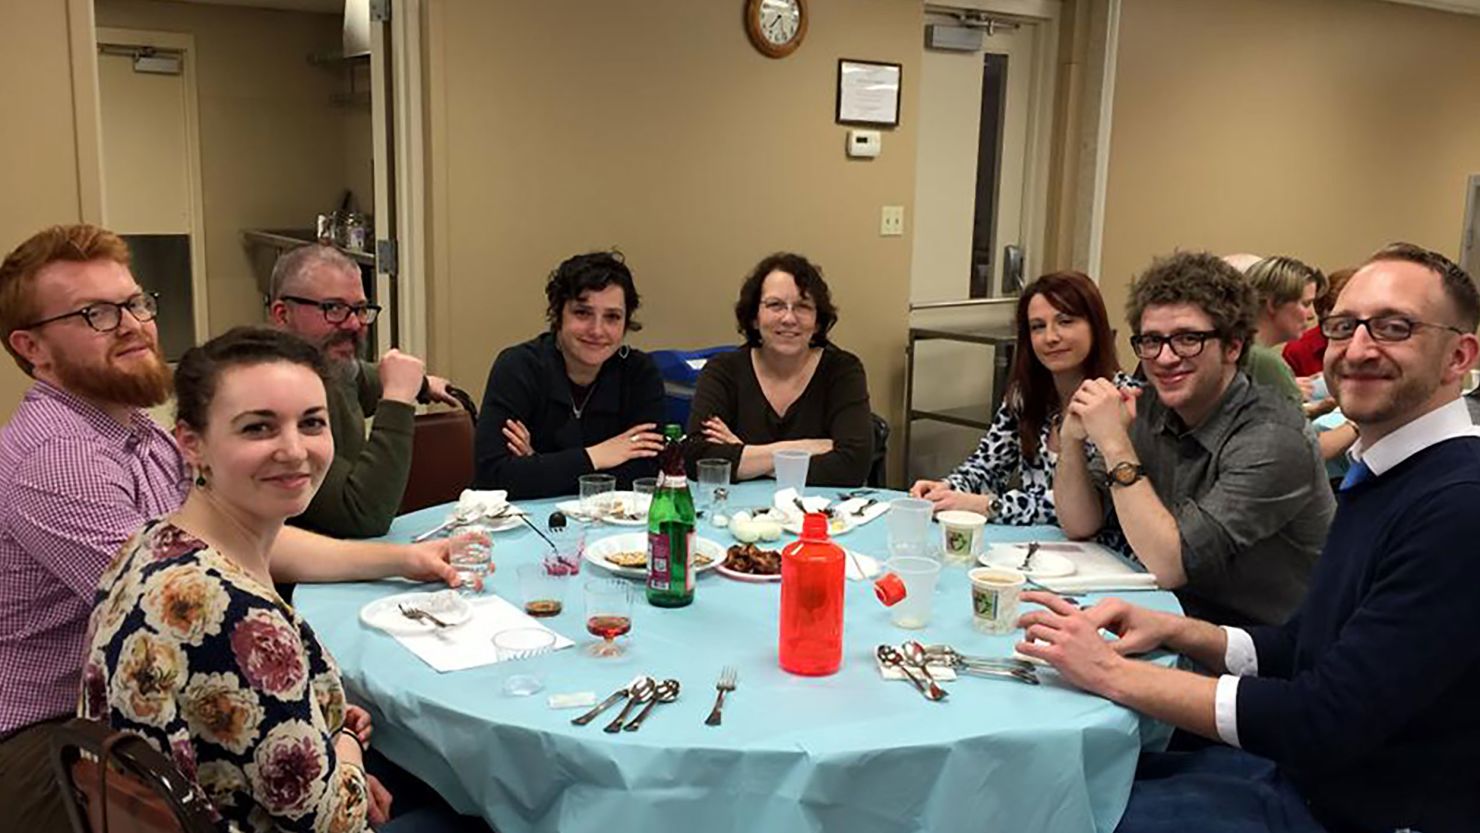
(961, 535)
(994, 598)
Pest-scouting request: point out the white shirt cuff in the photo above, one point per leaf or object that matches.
(1225, 709)
(1240, 657)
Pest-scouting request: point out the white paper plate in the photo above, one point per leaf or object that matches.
(596, 553)
(840, 525)
(1044, 565)
(446, 605)
(626, 499)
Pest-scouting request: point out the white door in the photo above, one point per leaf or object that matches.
(948, 205)
(151, 174)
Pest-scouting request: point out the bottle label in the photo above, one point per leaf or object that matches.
(661, 568)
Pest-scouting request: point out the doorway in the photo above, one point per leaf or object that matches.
(151, 172)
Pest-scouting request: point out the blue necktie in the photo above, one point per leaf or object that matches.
(1358, 473)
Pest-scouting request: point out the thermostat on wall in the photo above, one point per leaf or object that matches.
(864, 143)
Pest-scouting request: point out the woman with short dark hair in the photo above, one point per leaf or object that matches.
(574, 400)
(788, 387)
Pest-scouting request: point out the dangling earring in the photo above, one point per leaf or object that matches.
(200, 476)
(623, 350)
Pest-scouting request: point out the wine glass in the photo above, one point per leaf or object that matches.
(608, 615)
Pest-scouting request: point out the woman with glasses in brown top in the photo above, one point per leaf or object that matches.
(788, 387)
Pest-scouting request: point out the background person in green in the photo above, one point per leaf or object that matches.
(317, 294)
(1286, 290)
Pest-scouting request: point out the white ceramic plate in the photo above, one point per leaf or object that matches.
(596, 553)
(446, 605)
(840, 525)
(1044, 565)
(750, 577)
(624, 499)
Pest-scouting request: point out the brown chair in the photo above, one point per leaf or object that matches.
(441, 459)
(138, 791)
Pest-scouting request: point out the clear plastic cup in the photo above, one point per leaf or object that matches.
(994, 598)
(570, 548)
(518, 644)
(713, 475)
(908, 525)
(596, 494)
(470, 552)
(542, 592)
(791, 470)
(919, 576)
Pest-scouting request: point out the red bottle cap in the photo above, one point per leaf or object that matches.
(889, 589)
(814, 527)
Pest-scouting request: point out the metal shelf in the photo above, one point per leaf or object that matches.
(1002, 341)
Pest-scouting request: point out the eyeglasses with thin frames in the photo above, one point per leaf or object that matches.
(778, 307)
(1184, 345)
(105, 316)
(1380, 327)
(337, 312)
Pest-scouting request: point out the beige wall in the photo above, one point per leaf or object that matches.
(38, 148)
(1317, 128)
(659, 129)
(272, 143)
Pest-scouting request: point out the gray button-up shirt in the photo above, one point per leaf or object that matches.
(1249, 492)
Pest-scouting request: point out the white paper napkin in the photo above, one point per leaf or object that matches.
(486, 501)
(786, 502)
(858, 561)
(471, 645)
(873, 512)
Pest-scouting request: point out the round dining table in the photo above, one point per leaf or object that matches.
(851, 751)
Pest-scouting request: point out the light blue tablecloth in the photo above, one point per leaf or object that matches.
(850, 752)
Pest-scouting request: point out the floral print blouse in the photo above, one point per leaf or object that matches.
(192, 653)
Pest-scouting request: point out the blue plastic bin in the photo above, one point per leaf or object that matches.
(680, 375)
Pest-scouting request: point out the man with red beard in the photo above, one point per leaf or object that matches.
(82, 467)
(1358, 714)
(1215, 481)
(318, 295)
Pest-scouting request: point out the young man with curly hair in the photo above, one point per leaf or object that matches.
(1215, 481)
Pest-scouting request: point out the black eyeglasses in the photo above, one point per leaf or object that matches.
(1184, 345)
(105, 316)
(1380, 327)
(337, 312)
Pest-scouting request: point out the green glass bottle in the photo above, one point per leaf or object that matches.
(670, 580)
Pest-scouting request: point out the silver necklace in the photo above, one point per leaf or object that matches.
(578, 409)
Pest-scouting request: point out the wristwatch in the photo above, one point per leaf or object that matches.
(1126, 473)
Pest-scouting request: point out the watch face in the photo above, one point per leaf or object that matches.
(780, 20)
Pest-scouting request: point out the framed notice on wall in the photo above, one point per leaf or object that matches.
(868, 93)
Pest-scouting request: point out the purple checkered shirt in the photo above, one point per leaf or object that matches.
(75, 484)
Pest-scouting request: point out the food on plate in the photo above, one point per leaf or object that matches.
(638, 558)
(748, 558)
(628, 558)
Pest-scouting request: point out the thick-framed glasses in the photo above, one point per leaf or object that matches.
(778, 307)
(1184, 345)
(105, 316)
(337, 312)
(1381, 327)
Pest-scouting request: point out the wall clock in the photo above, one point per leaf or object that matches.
(776, 27)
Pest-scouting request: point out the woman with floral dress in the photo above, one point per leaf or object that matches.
(190, 647)
(1064, 337)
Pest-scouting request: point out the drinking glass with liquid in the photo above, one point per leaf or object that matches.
(470, 552)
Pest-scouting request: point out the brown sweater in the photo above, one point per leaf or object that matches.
(833, 406)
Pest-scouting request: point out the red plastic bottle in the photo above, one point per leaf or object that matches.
(812, 601)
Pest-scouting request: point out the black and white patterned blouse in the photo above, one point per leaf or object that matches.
(999, 457)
